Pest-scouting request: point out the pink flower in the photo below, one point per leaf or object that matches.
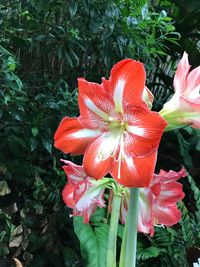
(82, 193)
(157, 203)
(184, 107)
(116, 131)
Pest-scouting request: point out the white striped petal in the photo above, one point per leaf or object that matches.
(118, 95)
(137, 130)
(88, 102)
(85, 133)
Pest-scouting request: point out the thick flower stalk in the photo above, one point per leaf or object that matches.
(116, 131)
(184, 107)
(157, 202)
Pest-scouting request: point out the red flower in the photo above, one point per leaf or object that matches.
(82, 193)
(116, 131)
(158, 201)
(184, 107)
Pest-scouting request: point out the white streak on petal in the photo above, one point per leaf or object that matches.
(109, 146)
(95, 109)
(136, 130)
(118, 95)
(85, 133)
(194, 94)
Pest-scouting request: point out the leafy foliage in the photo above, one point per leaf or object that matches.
(93, 242)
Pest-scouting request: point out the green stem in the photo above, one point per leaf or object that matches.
(112, 238)
(122, 260)
(132, 225)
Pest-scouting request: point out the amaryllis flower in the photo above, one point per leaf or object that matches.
(82, 193)
(157, 202)
(116, 131)
(184, 107)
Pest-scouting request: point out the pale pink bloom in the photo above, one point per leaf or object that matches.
(82, 193)
(184, 107)
(157, 203)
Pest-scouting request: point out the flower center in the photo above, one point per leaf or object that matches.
(117, 123)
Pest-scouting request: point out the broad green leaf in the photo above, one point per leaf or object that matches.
(88, 242)
(101, 233)
(98, 216)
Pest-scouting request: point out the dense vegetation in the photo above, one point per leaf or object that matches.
(44, 47)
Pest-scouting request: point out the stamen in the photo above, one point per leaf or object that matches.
(120, 157)
(103, 155)
(155, 222)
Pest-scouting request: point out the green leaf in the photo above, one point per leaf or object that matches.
(186, 225)
(98, 216)
(35, 131)
(120, 231)
(198, 145)
(73, 6)
(13, 81)
(147, 253)
(47, 145)
(101, 233)
(4, 189)
(184, 150)
(11, 63)
(196, 193)
(18, 140)
(88, 242)
(69, 257)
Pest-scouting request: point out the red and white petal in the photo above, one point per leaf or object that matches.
(95, 105)
(166, 177)
(166, 215)
(181, 111)
(134, 172)
(148, 97)
(75, 173)
(194, 96)
(189, 105)
(81, 187)
(193, 80)
(195, 123)
(68, 195)
(145, 219)
(180, 78)
(170, 193)
(99, 156)
(127, 82)
(190, 112)
(144, 131)
(92, 198)
(71, 137)
(155, 188)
